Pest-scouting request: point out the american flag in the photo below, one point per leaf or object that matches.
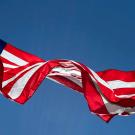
(108, 93)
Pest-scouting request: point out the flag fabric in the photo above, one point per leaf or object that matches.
(108, 93)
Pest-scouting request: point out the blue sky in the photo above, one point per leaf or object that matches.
(97, 33)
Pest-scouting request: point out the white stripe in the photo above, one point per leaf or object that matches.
(67, 71)
(96, 76)
(131, 110)
(116, 84)
(58, 82)
(111, 108)
(125, 96)
(71, 78)
(53, 80)
(12, 58)
(113, 85)
(75, 80)
(100, 80)
(9, 66)
(4, 83)
(18, 87)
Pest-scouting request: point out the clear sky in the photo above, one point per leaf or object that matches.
(97, 33)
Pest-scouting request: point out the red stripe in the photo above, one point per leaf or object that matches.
(109, 75)
(67, 82)
(94, 99)
(35, 81)
(124, 91)
(111, 97)
(7, 61)
(106, 117)
(8, 87)
(92, 96)
(109, 94)
(9, 74)
(21, 54)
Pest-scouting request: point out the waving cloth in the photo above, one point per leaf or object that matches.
(108, 93)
